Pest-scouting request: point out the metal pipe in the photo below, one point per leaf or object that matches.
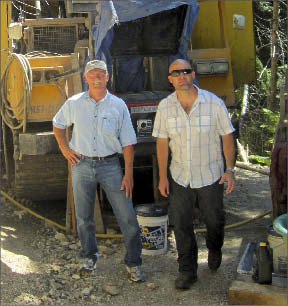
(38, 9)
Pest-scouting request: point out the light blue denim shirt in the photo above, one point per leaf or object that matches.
(99, 128)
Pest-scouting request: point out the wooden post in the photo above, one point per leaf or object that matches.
(98, 220)
(70, 209)
(274, 56)
(155, 178)
(77, 83)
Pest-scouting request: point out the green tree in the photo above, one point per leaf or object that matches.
(259, 122)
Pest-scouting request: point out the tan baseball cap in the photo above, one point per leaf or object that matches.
(95, 64)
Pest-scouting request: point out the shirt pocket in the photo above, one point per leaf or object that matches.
(203, 124)
(174, 125)
(109, 125)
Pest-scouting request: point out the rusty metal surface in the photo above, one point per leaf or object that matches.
(41, 177)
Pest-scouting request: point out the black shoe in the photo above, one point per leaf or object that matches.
(184, 281)
(214, 259)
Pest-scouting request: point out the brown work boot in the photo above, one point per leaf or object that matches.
(184, 281)
(135, 274)
(214, 259)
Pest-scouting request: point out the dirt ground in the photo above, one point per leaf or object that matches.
(39, 264)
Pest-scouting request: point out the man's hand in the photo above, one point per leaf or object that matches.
(72, 156)
(128, 184)
(229, 178)
(164, 187)
(127, 181)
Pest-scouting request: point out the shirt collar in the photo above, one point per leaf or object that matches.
(87, 96)
(199, 98)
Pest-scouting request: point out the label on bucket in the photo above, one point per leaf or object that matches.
(153, 237)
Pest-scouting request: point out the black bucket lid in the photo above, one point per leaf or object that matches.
(150, 210)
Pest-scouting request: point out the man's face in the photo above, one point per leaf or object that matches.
(96, 78)
(182, 81)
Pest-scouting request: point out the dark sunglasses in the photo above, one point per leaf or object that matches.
(175, 73)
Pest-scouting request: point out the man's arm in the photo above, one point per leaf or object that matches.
(229, 153)
(128, 182)
(68, 153)
(162, 145)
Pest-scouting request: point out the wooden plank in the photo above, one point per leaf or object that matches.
(41, 177)
(77, 83)
(53, 21)
(249, 293)
(98, 220)
(70, 208)
(91, 46)
(155, 178)
(85, 1)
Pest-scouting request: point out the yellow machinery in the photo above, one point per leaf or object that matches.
(31, 95)
(5, 21)
(36, 84)
(33, 88)
(223, 33)
(46, 94)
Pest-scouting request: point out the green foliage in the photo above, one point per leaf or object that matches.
(259, 129)
(272, 119)
(259, 123)
(262, 160)
(265, 7)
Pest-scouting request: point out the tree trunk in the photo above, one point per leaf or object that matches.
(244, 106)
(274, 56)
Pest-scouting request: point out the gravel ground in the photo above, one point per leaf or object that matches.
(39, 264)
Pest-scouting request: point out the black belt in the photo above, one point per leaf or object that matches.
(99, 157)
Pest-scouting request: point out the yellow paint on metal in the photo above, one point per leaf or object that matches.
(221, 85)
(241, 42)
(5, 21)
(206, 34)
(46, 97)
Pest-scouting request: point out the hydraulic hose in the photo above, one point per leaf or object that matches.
(8, 112)
(111, 236)
(108, 236)
(230, 226)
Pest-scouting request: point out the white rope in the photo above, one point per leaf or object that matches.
(17, 8)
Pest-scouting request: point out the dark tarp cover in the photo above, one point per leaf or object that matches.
(118, 12)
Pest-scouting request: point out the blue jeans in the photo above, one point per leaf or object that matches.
(108, 173)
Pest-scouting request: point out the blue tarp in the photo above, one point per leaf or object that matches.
(117, 11)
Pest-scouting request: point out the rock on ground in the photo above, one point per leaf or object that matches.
(40, 266)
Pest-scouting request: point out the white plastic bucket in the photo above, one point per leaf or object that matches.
(279, 253)
(153, 221)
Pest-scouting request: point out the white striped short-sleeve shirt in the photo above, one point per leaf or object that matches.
(194, 139)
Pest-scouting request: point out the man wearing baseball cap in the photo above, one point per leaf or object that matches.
(102, 129)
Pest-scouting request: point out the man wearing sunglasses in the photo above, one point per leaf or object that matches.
(195, 124)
